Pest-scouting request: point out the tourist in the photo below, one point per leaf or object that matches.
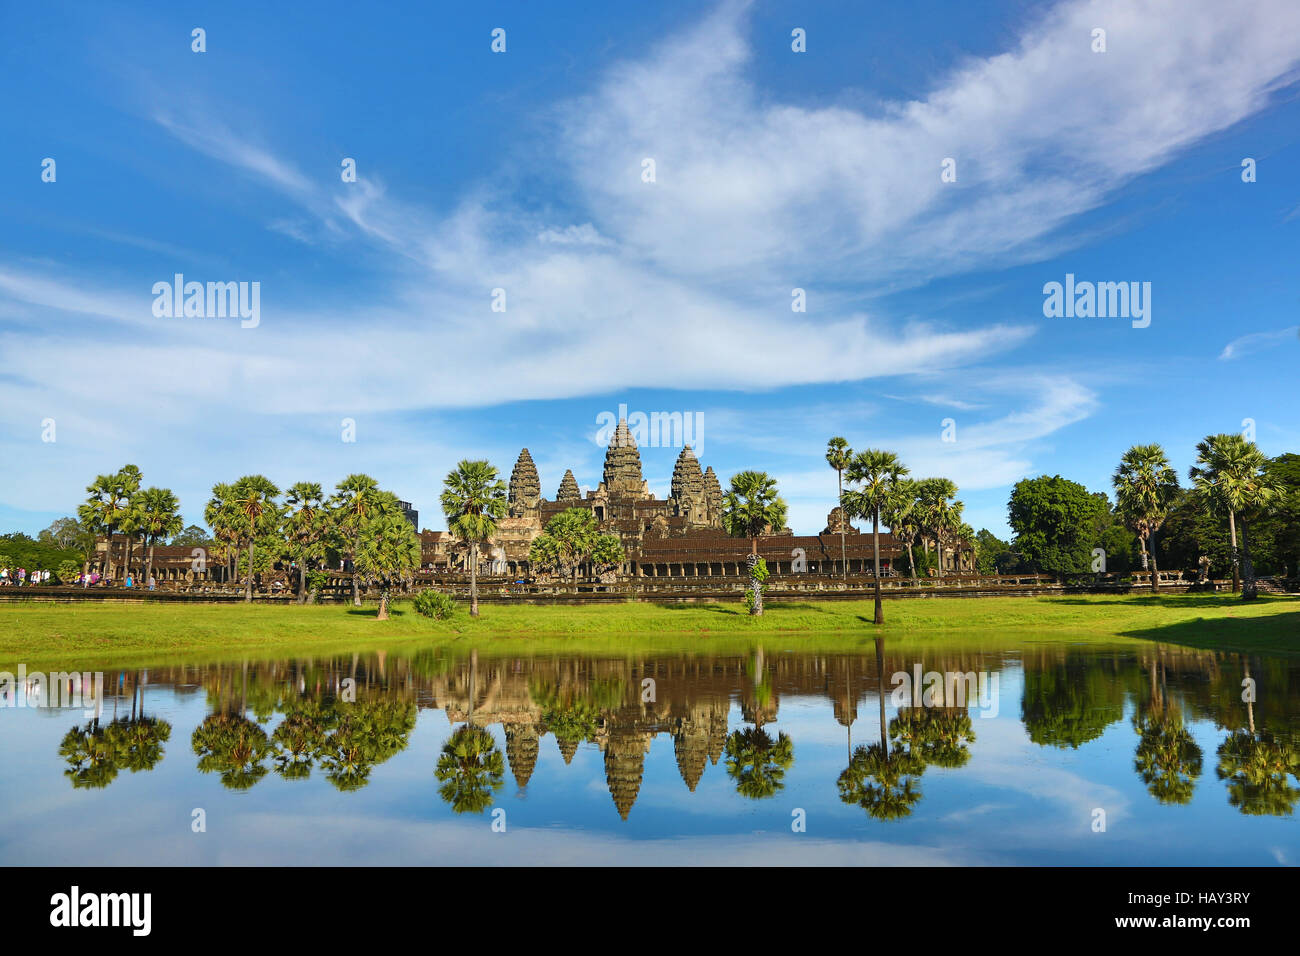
(152, 582)
(129, 581)
(22, 576)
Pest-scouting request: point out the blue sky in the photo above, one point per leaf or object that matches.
(522, 170)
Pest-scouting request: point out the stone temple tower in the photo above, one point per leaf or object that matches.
(525, 487)
(623, 465)
(569, 490)
(713, 493)
(689, 492)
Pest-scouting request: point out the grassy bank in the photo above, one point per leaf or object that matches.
(79, 634)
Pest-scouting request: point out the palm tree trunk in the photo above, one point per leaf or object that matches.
(844, 560)
(473, 579)
(911, 563)
(383, 604)
(755, 587)
(875, 545)
(127, 571)
(248, 586)
(1248, 590)
(356, 593)
(1236, 564)
(148, 571)
(938, 553)
(302, 582)
(1155, 570)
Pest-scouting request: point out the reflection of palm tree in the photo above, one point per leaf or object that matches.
(470, 769)
(234, 746)
(757, 763)
(1256, 767)
(139, 741)
(1168, 759)
(882, 781)
(90, 755)
(300, 739)
(937, 736)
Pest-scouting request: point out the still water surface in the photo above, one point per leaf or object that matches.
(1060, 753)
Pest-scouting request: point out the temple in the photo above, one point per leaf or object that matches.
(681, 536)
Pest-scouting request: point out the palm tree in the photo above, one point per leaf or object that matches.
(940, 515)
(389, 548)
(474, 500)
(901, 512)
(1229, 474)
(354, 501)
(128, 480)
(254, 499)
(878, 472)
(838, 456)
(158, 518)
(306, 527)
(750, 507)
(1145, 488)
(222, 517)
(102, 513)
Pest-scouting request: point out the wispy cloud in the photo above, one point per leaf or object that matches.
(1257, 341)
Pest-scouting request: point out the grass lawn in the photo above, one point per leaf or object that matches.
(80, 634)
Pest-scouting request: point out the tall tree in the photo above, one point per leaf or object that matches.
(102, 513)
(941, 514)
(1146, 487)
(306, 528)
(355, 500)
(222, 516)
(751, 507)
(158, 518)
(389, 549)
(901, 514)
(838, 456)
(877, 474)
(128, 480)
(254, 498)
(1056, 522)
(474, 500)
(1229, 473)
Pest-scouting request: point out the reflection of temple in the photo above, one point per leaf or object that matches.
(1068, 699)
(678, 537)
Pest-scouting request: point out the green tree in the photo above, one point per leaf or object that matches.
(473, 500)
(158, 518)
(307, 528)
(191, 536)
(355, 500)
(901, 515)
(389, 549)
(222, 516)
(750, 507)
(571, 538)
(940, 515)
(838, 456)
(1056, 522)
(877, 474)
(258, 516)
(1229, 473)
(1146, 487)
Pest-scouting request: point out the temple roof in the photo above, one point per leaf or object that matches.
(569, 490)
(525, 486)
(623, 462)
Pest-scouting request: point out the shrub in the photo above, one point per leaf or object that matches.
(434, 604)
(67, 572)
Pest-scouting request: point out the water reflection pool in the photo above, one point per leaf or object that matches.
(1059, 753)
